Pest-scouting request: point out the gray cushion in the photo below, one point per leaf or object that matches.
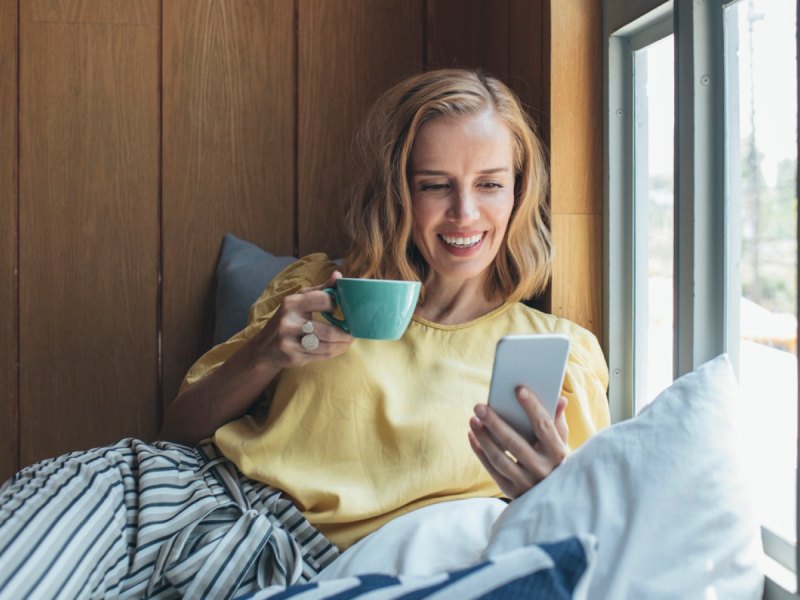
(243, 271)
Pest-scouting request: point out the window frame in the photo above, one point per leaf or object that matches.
(620, 192)
(705, 318)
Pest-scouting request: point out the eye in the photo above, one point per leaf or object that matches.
(491, 185)
(433, 187)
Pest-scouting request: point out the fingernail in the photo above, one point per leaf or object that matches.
(480, 410)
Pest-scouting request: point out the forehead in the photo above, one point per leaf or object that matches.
(483, 135)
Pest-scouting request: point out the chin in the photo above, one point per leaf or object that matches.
(462, 272)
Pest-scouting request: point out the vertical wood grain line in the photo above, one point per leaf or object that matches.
(17, 328)
(296, 141)
(425, 35)
(160, 402)
(546, 16)
(510, 49)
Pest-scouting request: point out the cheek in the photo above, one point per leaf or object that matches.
(419, 222)
(415, 236)
(502, 216)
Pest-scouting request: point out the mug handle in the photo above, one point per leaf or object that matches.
(338, 322)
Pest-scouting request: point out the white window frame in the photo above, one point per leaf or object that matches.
(705, 319)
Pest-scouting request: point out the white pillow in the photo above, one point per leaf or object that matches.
(665, 495)
(433, 539)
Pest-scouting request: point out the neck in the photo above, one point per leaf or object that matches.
(456, 303)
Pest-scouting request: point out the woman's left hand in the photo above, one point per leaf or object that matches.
(514, 463)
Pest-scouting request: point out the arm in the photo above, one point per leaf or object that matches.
(227, 392)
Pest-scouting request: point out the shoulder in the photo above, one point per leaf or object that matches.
(585, 349)
(542, 322)
(310, 270)
(549, 323)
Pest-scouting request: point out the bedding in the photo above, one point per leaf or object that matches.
(664, 494)
(557, 571)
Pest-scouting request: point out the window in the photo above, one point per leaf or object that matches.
(654, 216)
(761, 122)
(702, 210)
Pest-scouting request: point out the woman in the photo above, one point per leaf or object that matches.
(303, 444)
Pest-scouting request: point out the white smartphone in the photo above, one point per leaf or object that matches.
(536, 361)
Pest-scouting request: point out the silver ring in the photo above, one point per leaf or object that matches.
(309, 342)
(308, 327)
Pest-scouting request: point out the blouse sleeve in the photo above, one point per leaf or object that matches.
(305, 272)
(585, 384)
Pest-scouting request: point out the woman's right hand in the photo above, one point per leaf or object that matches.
(229, 391)
(280, 341)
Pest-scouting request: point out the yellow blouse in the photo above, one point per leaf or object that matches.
(382, 429)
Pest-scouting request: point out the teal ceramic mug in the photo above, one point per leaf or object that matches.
(375, 309)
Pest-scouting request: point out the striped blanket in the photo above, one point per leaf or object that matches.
(134, 520)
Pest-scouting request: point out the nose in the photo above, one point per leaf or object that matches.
(464, 207)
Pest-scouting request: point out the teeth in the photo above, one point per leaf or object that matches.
(462, 242)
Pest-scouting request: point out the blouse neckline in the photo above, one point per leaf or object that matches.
(455, 326)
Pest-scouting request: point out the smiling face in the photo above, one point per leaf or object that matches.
(461, 179)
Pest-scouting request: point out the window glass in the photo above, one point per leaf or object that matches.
(762, 90)
(654, 217)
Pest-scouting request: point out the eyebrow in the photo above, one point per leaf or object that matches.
(482, 172)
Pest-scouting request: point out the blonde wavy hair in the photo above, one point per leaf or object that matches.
(379, 217)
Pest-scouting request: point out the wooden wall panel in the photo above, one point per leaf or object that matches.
(88, 248)
(228, 153)
(507, 38)
(9, 398)
(469, 33)
(576, 129)
(129, 12)
(528, 76)
(576, 151)
(349, 52)
(577, 287)
(528, 56)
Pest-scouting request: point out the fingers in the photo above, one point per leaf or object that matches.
(504, 483)
(489, 437)
(308, 301)
(292, 346)
(326, 333)
(293, 337)
(331, 282)
(528, 466)
(517, 464)
(561, 419)
(547, 436)
(298, 309)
